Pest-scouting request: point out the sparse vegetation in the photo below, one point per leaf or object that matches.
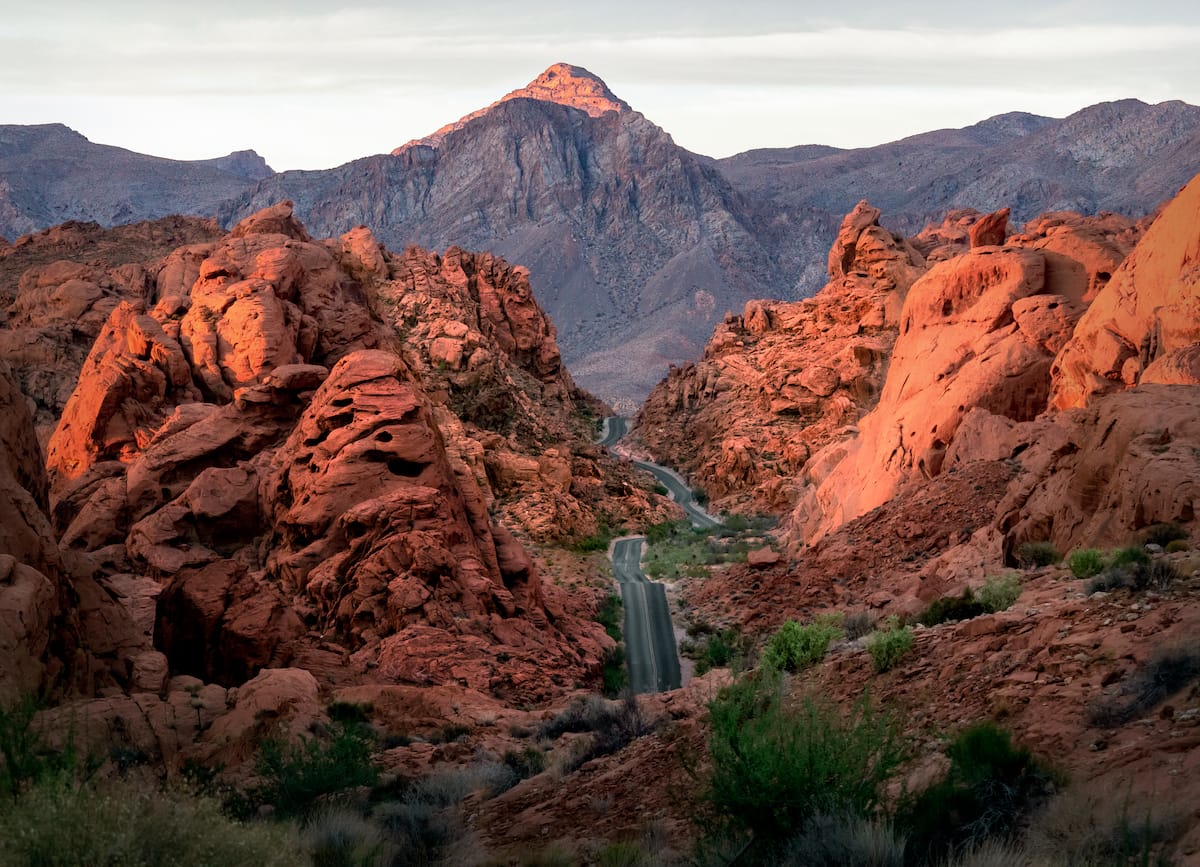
(776, 765)
(992, 785)
(889, 645)
(1165, 673)
(1086, 562)
(128, 823)
(1163, 534)
(1031, 555)
(297, 776)
(1133, 569)
(714, 649)
(677, 549)
(794, 647)
(1000, 592)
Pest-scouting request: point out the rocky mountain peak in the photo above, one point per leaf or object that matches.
(572, 86)
(561, 83)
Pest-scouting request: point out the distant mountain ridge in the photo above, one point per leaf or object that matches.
(636, 246)
(49, 173)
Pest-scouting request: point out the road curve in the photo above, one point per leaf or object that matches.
(650, 650)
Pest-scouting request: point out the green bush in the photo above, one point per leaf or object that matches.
(718, 650)
(1086, 563)
(25, 757)
(125, 823)
(295, 777)
(991, 787)
(1163, 534)
(948, 609)
(598, 541)
(1132, 569)
(1177, 545)
(1033, 554)
(1132, 555)
(888, 646)
(609, 615)
(1000, 592)
(614, 675)
(774, 767)
(529, 762)
(794, 647)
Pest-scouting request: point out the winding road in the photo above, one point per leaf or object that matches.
(653, 657)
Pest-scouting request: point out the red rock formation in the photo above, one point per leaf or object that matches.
(991, 230)
(253, 485)
(1144, 325)
(784, 379)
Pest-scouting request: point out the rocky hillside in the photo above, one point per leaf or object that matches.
(50, 174)
(281, 451)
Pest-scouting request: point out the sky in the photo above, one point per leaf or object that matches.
(316, 84)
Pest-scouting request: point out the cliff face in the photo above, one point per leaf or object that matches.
(287, 451)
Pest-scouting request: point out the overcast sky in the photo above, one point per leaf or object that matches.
(312, 85)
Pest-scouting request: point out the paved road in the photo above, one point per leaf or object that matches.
(650, 650)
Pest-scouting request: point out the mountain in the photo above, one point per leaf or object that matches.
(634, 245)
(50, 174)
(1125, 156)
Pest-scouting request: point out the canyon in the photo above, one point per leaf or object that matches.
(320, 466)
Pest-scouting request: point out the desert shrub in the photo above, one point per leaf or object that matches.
(614, 676)
(1133, 569)
(774, 767)
(716, 649)
(700, 496)
(1080, 828)
(450, 733)
(124, 823)
(794, 647)
(999, 592)
(27, 759)
(991, 786)
(350, 712)
(297, 776)
(623, 853)
(1086, 562)
(419, 821)
(619, 724)
(1131, 555)
(888, 646)
(527, 763)
(1030, 555)
(844, 840)
(737, 523)
(1165, 673)
(993, 853)
(947, 609)
(609, 615)
(584, 714)
(1177, 545)
(1163, 534)
(598, 541)
(341, 838)
(858, 624)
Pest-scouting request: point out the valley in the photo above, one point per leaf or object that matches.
(542, 492)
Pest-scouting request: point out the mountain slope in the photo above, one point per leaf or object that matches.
(1123, 156)
(50, 174)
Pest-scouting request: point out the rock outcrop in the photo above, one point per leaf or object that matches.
(1144, 325)
(283, 451)
(783, 380)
